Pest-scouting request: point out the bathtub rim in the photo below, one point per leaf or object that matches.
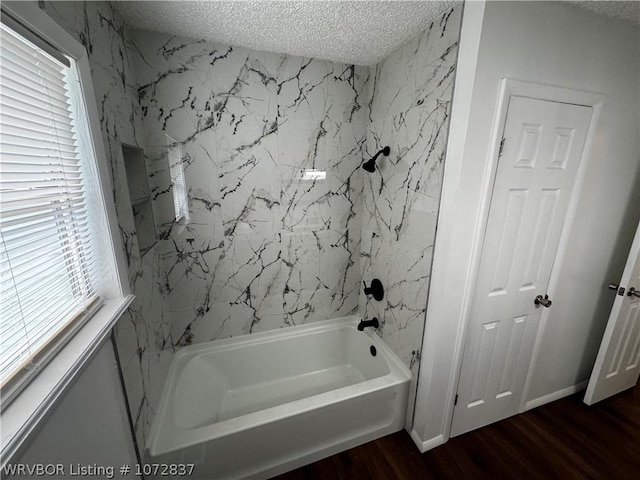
(398, 374)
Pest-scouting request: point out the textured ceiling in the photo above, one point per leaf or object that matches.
(358, 32)
(362, 32)
(623, 10)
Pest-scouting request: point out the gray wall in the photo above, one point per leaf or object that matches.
(89, 425)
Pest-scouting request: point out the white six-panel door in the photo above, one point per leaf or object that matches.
(618, 362)
(534, 181)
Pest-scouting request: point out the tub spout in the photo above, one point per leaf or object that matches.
(368, 323)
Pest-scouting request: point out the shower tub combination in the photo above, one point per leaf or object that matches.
(259, 405)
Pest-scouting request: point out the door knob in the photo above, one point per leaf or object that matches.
(634, 292)
(544, 301)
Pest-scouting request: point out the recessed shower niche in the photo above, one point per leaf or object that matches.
(140, 196)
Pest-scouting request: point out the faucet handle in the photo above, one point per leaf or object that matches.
(376, 289)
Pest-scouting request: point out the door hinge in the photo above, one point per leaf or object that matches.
(455, 402)
(501, 148)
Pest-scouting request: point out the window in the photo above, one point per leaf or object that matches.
(63, 279)
(176, 168)
(51, 270)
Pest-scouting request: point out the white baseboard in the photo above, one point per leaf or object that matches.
(423, 446)
(565, 392)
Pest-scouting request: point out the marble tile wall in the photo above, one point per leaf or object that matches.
(265, 247)
(142, 333)
(411, 93)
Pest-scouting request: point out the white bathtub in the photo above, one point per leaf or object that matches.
(259, 405)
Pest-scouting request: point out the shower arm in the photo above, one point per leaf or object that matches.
(385, 151)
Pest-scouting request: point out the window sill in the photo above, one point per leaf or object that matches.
(31, 406)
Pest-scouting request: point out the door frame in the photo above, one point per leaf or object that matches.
(516, 110)
(509, 88)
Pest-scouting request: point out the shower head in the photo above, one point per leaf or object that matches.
(370, 166)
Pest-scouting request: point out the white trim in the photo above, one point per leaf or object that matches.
(93, 118)
(424, 445)
(517, 88)
(552, 397)
(23, 415)
(438, 334)
(539, 91)
(28, 13)
(476, 250)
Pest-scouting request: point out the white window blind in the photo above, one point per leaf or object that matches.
(47, 270)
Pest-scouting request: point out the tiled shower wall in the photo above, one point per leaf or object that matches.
(266, 246)
(412, 91)
(269, 243)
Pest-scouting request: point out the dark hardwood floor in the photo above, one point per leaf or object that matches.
(562, 440)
